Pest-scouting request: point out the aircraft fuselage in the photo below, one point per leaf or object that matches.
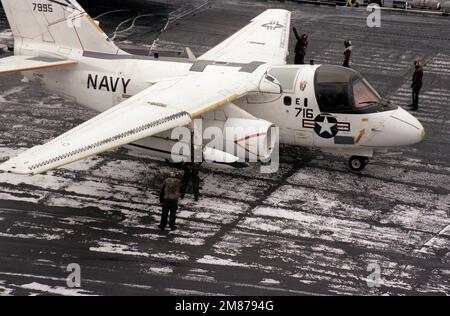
(101, 81)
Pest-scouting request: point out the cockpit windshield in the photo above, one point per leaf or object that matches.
(343, 90)
(364, 94)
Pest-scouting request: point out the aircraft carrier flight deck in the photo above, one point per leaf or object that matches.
(314, 228)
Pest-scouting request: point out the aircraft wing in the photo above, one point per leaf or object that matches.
(15, 64)
(163, 106)
(265, 39)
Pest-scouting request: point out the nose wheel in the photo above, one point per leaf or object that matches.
(357, 163)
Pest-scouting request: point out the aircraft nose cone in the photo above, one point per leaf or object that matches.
(410, 130)
(399, 129)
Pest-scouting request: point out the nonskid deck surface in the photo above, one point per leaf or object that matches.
(312, 229)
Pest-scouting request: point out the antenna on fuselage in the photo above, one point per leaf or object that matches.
(190, 54)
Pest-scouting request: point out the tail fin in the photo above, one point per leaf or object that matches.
(61, 23)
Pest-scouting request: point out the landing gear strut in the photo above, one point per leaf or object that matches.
(357, 163)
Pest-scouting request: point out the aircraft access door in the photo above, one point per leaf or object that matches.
(291, 131)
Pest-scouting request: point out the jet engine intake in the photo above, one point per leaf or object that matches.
(249, 139)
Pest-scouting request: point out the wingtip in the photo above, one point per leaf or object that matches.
(11, 167)
(273, 14)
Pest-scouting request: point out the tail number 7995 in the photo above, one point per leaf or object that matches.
(42, 7)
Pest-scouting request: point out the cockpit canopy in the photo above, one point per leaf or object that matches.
(343, 90)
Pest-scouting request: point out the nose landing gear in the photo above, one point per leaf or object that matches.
(357, 163)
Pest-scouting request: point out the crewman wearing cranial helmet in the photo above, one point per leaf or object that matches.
(347, 53)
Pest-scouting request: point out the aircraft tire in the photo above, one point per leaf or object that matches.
(357, 163)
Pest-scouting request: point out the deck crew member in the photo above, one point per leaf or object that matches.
(416, 85)
(191, 173)
(347, 53)
(169, 196)
(300, 48)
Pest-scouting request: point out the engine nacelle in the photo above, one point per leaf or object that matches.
(249, 139)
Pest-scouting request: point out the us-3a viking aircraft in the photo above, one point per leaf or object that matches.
(242, 82)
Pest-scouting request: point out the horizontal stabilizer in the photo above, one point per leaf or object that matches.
(16, 64)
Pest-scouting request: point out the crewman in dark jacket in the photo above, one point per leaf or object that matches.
(416, 85)
(191, 173)
(347, 53)
(300, 48)
(169, 196)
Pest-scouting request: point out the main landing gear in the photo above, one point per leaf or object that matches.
(357, 163)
